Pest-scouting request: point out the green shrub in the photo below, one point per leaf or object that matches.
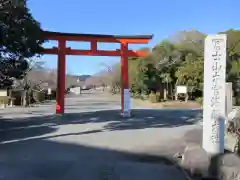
(154, 98)
(144, 96)
(234, 101)
(233, 127)
(199, 100)
(158, 94)
(137, 95)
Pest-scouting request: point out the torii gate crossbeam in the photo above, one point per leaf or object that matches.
(61, 51)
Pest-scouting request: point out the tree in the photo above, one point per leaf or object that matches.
(191, 41)
(179, 60)
(190, 73)
(115, 78)
(22, 35)
(21, 38)
(11, 69)
(167, 56)
(27, 84)
(233, 59)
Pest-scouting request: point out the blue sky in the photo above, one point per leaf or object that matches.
(159, 17)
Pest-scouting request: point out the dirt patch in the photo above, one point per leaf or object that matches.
(168, 104)
(179, 104)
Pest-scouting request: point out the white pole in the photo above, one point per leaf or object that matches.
(229, 102)
(127, 102)
(214, 106)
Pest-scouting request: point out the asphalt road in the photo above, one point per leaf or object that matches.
(92, 141)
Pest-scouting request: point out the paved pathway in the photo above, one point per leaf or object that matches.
(91, 141)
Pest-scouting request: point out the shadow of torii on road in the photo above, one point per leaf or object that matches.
(12, 129)
(49, 160)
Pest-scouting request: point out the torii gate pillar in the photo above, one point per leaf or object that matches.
(61, 77)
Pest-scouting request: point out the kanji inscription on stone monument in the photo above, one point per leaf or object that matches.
(214, 93)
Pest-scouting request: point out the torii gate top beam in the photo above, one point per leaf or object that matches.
(135, 39)
(93, 39)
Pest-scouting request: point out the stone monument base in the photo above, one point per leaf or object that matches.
(200, 164)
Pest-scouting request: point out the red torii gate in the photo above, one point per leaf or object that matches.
(93, 39)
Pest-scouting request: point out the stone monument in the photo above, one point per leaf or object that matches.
(214, 103)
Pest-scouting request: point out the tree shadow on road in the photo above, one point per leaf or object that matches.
(18, 128)
(49, 160)
(143, 119)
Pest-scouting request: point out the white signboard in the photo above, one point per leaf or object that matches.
(181, 89)
(126, 103)
(214, 93)
(3, 92)
(76, 90)
(49, 91)
(45, 84)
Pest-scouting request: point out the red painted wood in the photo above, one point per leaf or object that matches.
(95, 52)
(139, 39)
(124, 71)
(93, 46)
(61, 77)
(110, 40)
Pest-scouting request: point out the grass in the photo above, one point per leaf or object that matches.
(167, 104)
